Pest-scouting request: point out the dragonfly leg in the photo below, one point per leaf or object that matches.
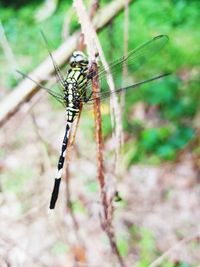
(55, 192)
(87, 98)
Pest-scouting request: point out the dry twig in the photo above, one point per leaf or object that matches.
(185, 240)
(92, 44)
(126, 28)
(7, 50)
(80, 246)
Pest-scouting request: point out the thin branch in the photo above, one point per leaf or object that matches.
(99, 138)
(126, 29)
(94, 7)
(125, 68)
(66, 23)
(67, 178)
(92, 43)
(108, 228)
(7, 50)
(185, 240)
(81, 47)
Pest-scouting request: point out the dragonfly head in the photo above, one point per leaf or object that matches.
(78, 59)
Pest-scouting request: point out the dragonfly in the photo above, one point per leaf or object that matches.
(76, 88)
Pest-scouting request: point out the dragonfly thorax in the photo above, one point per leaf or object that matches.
(76, 81)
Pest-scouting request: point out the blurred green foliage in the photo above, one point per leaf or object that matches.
(175, 99)
(15, 181)
(60, 248)
(123, 246)
(78, 207)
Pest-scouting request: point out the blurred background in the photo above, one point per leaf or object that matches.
(156, 222)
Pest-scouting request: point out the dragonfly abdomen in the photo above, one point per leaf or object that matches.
(56, 187)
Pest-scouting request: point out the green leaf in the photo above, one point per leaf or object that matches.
(166, 151)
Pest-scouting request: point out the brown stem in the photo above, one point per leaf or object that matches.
(99, 139)
(92, 42)
(107, 207)
(81, 47)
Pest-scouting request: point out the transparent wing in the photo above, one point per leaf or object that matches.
(138, 56)
(58, 72)
(58, 96)
(134, 60)
(106, 94)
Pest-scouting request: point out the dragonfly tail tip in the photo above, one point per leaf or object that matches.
(55, 192)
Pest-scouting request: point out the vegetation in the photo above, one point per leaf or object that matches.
(171, 106)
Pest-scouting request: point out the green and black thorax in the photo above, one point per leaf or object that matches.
(75, 84)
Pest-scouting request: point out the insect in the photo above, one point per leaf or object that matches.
(76, 88)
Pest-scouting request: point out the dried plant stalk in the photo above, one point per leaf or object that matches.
(92, 42)
(187, 239)
(80, 244)
(99, 138)
(126, 28)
